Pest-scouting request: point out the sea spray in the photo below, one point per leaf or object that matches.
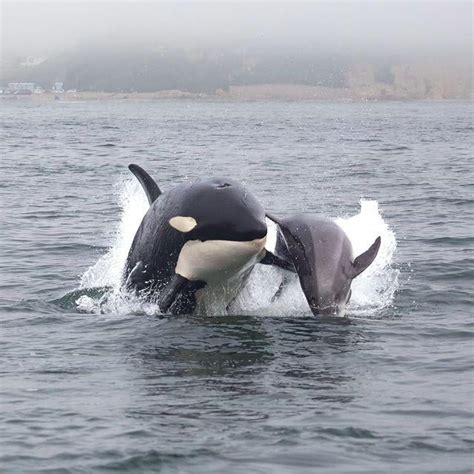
(108, 270)
(373, 289)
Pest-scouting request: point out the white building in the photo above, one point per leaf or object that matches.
(58, 88)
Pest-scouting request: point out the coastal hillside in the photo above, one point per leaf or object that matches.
(244, 74)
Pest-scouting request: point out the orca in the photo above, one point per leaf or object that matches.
(193, 235)
(321, 254)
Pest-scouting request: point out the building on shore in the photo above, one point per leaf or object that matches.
(58, 88)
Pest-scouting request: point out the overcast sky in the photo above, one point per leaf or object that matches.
(382, 27)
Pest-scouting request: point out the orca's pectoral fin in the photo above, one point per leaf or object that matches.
(272, 259)
(178, 297)
(365, 259)
(150, 187)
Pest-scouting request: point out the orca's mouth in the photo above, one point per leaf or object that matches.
(258, 233)
(254, 234)
(229, 231)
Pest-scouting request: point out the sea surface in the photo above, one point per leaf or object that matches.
(95, 380)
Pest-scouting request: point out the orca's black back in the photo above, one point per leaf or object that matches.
(156, 244)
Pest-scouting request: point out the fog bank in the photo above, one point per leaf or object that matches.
(355, 28)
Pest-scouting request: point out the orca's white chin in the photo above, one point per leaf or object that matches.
(213, 260)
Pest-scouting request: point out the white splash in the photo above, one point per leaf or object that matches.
(108, 270)
(372, 291)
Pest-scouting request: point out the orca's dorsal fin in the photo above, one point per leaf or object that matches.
(365, 259)
(148, 183)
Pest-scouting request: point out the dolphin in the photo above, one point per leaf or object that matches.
(322, 256)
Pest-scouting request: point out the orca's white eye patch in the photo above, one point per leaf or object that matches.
(182, 223)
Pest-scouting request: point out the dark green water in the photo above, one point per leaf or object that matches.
(102, 383)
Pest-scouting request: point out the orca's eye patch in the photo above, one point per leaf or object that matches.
(183, 223)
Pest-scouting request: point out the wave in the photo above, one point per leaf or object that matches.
(372, 291)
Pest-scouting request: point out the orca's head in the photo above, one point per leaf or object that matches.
(322, 255)
(220, 209)
(224, 228)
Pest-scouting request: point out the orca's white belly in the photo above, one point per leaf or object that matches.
(213, 260)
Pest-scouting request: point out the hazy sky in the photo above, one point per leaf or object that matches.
(382, 27)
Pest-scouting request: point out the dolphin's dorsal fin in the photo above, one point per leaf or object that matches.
(365, 259)
(151, 188)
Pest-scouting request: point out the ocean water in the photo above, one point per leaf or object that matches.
(95, 380)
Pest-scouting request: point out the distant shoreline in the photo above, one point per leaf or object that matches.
(260, 92)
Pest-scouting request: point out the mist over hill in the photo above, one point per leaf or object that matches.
(362, 50)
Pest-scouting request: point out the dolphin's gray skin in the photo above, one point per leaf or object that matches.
(322, 255)
(193, 235)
